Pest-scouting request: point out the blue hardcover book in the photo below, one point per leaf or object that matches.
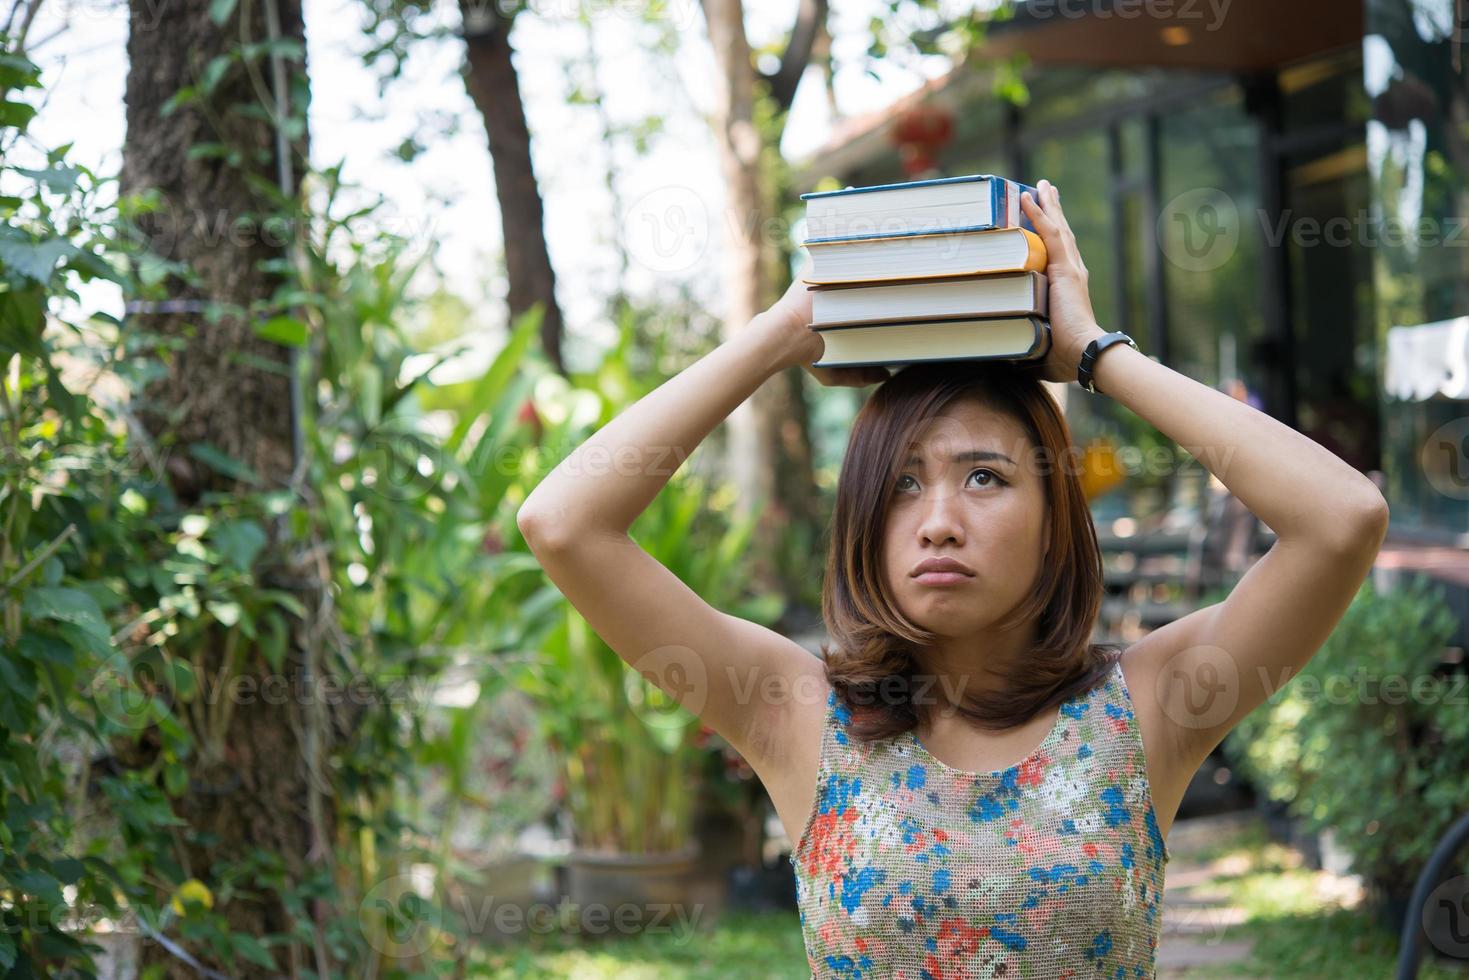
(976, 202)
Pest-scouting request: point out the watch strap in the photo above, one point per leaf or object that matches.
(1094, 351)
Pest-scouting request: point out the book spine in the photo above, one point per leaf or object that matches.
(1036, 257)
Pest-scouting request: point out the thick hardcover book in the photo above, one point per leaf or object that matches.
(960, 297)
(975, 202)
(1020, 338)
(925, 256)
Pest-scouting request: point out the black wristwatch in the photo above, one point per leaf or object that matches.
(1093, 351)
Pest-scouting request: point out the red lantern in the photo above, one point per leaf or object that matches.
(919, 134)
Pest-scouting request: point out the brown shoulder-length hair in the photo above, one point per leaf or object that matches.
(872, 659)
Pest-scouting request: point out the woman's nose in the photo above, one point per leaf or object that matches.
(941, 521)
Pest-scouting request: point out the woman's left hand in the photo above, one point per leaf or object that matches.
(1073, 324)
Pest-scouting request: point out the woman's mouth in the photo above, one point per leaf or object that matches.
(941, 578)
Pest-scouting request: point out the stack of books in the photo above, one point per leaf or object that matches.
(930, 270)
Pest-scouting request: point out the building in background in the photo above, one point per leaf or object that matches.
(1262, 192)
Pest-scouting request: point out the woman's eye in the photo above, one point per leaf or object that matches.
(994, 478)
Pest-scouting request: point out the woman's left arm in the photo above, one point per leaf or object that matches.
(1212, 667)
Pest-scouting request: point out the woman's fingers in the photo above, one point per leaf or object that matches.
(1050, 221)
(1038, 215)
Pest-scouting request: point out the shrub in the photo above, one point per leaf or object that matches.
(1372, 738)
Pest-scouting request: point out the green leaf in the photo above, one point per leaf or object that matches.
(252, 949)
(45, 648)
(18, 72)
(22, 318)
(175, 779)
(505, 366)
(19, 678)
(59, 179)
(68, 870)
(212, 457)
(70, 404)
(214, 71)
(32, 259)
(273, 643)
(66, 605)
(182, 97)
(181, 676)
(107, 869)
(38, 883)
(285, 330)
(7, 951)
(220, 10)
(239, 542)
(54, 944)
(16, 114)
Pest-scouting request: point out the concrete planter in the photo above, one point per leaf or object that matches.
(630, 893)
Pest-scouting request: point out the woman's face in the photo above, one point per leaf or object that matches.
(969, 494)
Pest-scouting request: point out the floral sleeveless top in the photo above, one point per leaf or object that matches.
(1053, 868)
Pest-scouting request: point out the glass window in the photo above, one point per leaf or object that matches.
(1331, 310)
(1419, 181)
(1065, 95)
(1077, 165)
(1325, 91)
(1210, 239)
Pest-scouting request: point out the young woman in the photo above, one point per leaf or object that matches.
(973, 788)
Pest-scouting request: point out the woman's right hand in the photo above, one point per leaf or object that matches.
(789, 318)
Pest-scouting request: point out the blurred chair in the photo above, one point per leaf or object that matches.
(1161, 570)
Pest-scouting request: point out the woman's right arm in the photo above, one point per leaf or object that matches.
(762, 692)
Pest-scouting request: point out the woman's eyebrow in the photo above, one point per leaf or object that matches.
(972, 455)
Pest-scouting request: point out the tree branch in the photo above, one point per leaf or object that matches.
(809, 18)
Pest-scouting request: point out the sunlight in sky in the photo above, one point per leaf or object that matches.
(446, 195)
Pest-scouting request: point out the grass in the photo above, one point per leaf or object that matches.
(764, 944)
(1300, 924)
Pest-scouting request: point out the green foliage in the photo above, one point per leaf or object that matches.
(69, 493)
(1372, 738)
(631, 764)
(126, 616)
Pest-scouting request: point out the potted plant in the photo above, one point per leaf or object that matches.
(631, 757)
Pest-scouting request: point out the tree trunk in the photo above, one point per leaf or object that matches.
(769, 443)
(493, 84)
(249, 790)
